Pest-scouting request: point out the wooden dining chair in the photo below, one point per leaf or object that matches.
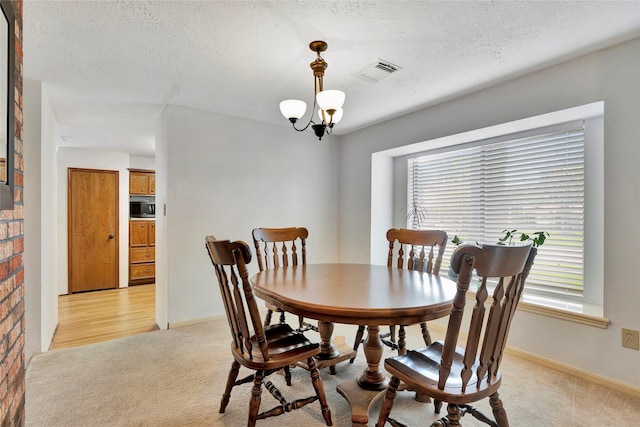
(425, 249)
(461, 373)
(277, 247)
(262, 349)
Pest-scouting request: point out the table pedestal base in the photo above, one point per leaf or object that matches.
(343, 351)
(360, 401)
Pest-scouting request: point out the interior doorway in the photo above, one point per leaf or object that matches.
(93, 211)
(91, 317)
(109, 311)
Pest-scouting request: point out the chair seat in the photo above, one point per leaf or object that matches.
(285, 346)
(278, 346)
(420, 370)
(441, 370)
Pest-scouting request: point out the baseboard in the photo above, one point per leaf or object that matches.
(174, 325)
(552, 364)
(561, 367)
(549, 363)
(262, 310)
(55, 331)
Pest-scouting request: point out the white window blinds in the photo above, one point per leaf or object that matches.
(529, 184)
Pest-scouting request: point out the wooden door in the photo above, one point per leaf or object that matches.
(93, 229)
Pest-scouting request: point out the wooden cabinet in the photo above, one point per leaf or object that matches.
(142, 233)
(142, 252)
(142, 182)
(152, 183)
(152, 233)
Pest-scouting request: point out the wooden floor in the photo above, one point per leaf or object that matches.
(92, 317)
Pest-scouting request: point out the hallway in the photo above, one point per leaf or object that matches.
(91, 317)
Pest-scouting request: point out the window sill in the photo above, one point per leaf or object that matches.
(573, 311)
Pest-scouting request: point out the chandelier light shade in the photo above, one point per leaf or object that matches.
(293, 109)
(329, 101)
(337, 116)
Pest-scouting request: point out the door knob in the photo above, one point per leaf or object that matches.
(111, 236)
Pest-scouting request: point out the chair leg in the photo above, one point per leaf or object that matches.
(392, 333)
(452, 419)
(254, 403)
(267, 318)
(426, 336)
(387, 403)
(437, 406)
(498, 410)
(287, 375)
(282, 318)
(357, 341)
(402, 341)
(319, 388)
(231, 379)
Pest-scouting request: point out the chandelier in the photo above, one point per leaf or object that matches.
(329, 101)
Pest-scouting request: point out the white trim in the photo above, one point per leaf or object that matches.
(580, 112)
(174, 325)
(573, 311)
(594, 199)
(570, 370)
(565, 314)
(561, 367)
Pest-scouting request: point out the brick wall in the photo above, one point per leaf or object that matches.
(11, 269)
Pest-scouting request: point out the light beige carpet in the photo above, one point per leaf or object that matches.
(176, 377)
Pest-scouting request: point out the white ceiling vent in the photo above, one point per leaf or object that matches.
(377, 70)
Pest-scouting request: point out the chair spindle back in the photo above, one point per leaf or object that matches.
(230, 261)
(487, 335)
(277, 246)
(417, 241)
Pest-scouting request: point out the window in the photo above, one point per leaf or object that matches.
(531, 181)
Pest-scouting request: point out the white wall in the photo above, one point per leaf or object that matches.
(49, 218)
(142, 162)
(227, 176)
(91, 159)
(612, 75)
(162, 261)
(40, 253)
(32, 220)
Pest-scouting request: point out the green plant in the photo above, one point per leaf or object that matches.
(506, 239)
(417, 212)
(538, 239)
(508, 236)
(458, 241)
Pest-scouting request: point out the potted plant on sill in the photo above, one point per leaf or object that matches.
(417, 212)
(538, 239)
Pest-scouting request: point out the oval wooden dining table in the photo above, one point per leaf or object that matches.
(359, 294)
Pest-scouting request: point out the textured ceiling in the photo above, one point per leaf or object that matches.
(111, 66)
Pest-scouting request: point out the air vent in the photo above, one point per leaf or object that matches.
(385, 66)
(377, 71)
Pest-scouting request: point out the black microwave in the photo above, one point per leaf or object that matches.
(142, 208)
